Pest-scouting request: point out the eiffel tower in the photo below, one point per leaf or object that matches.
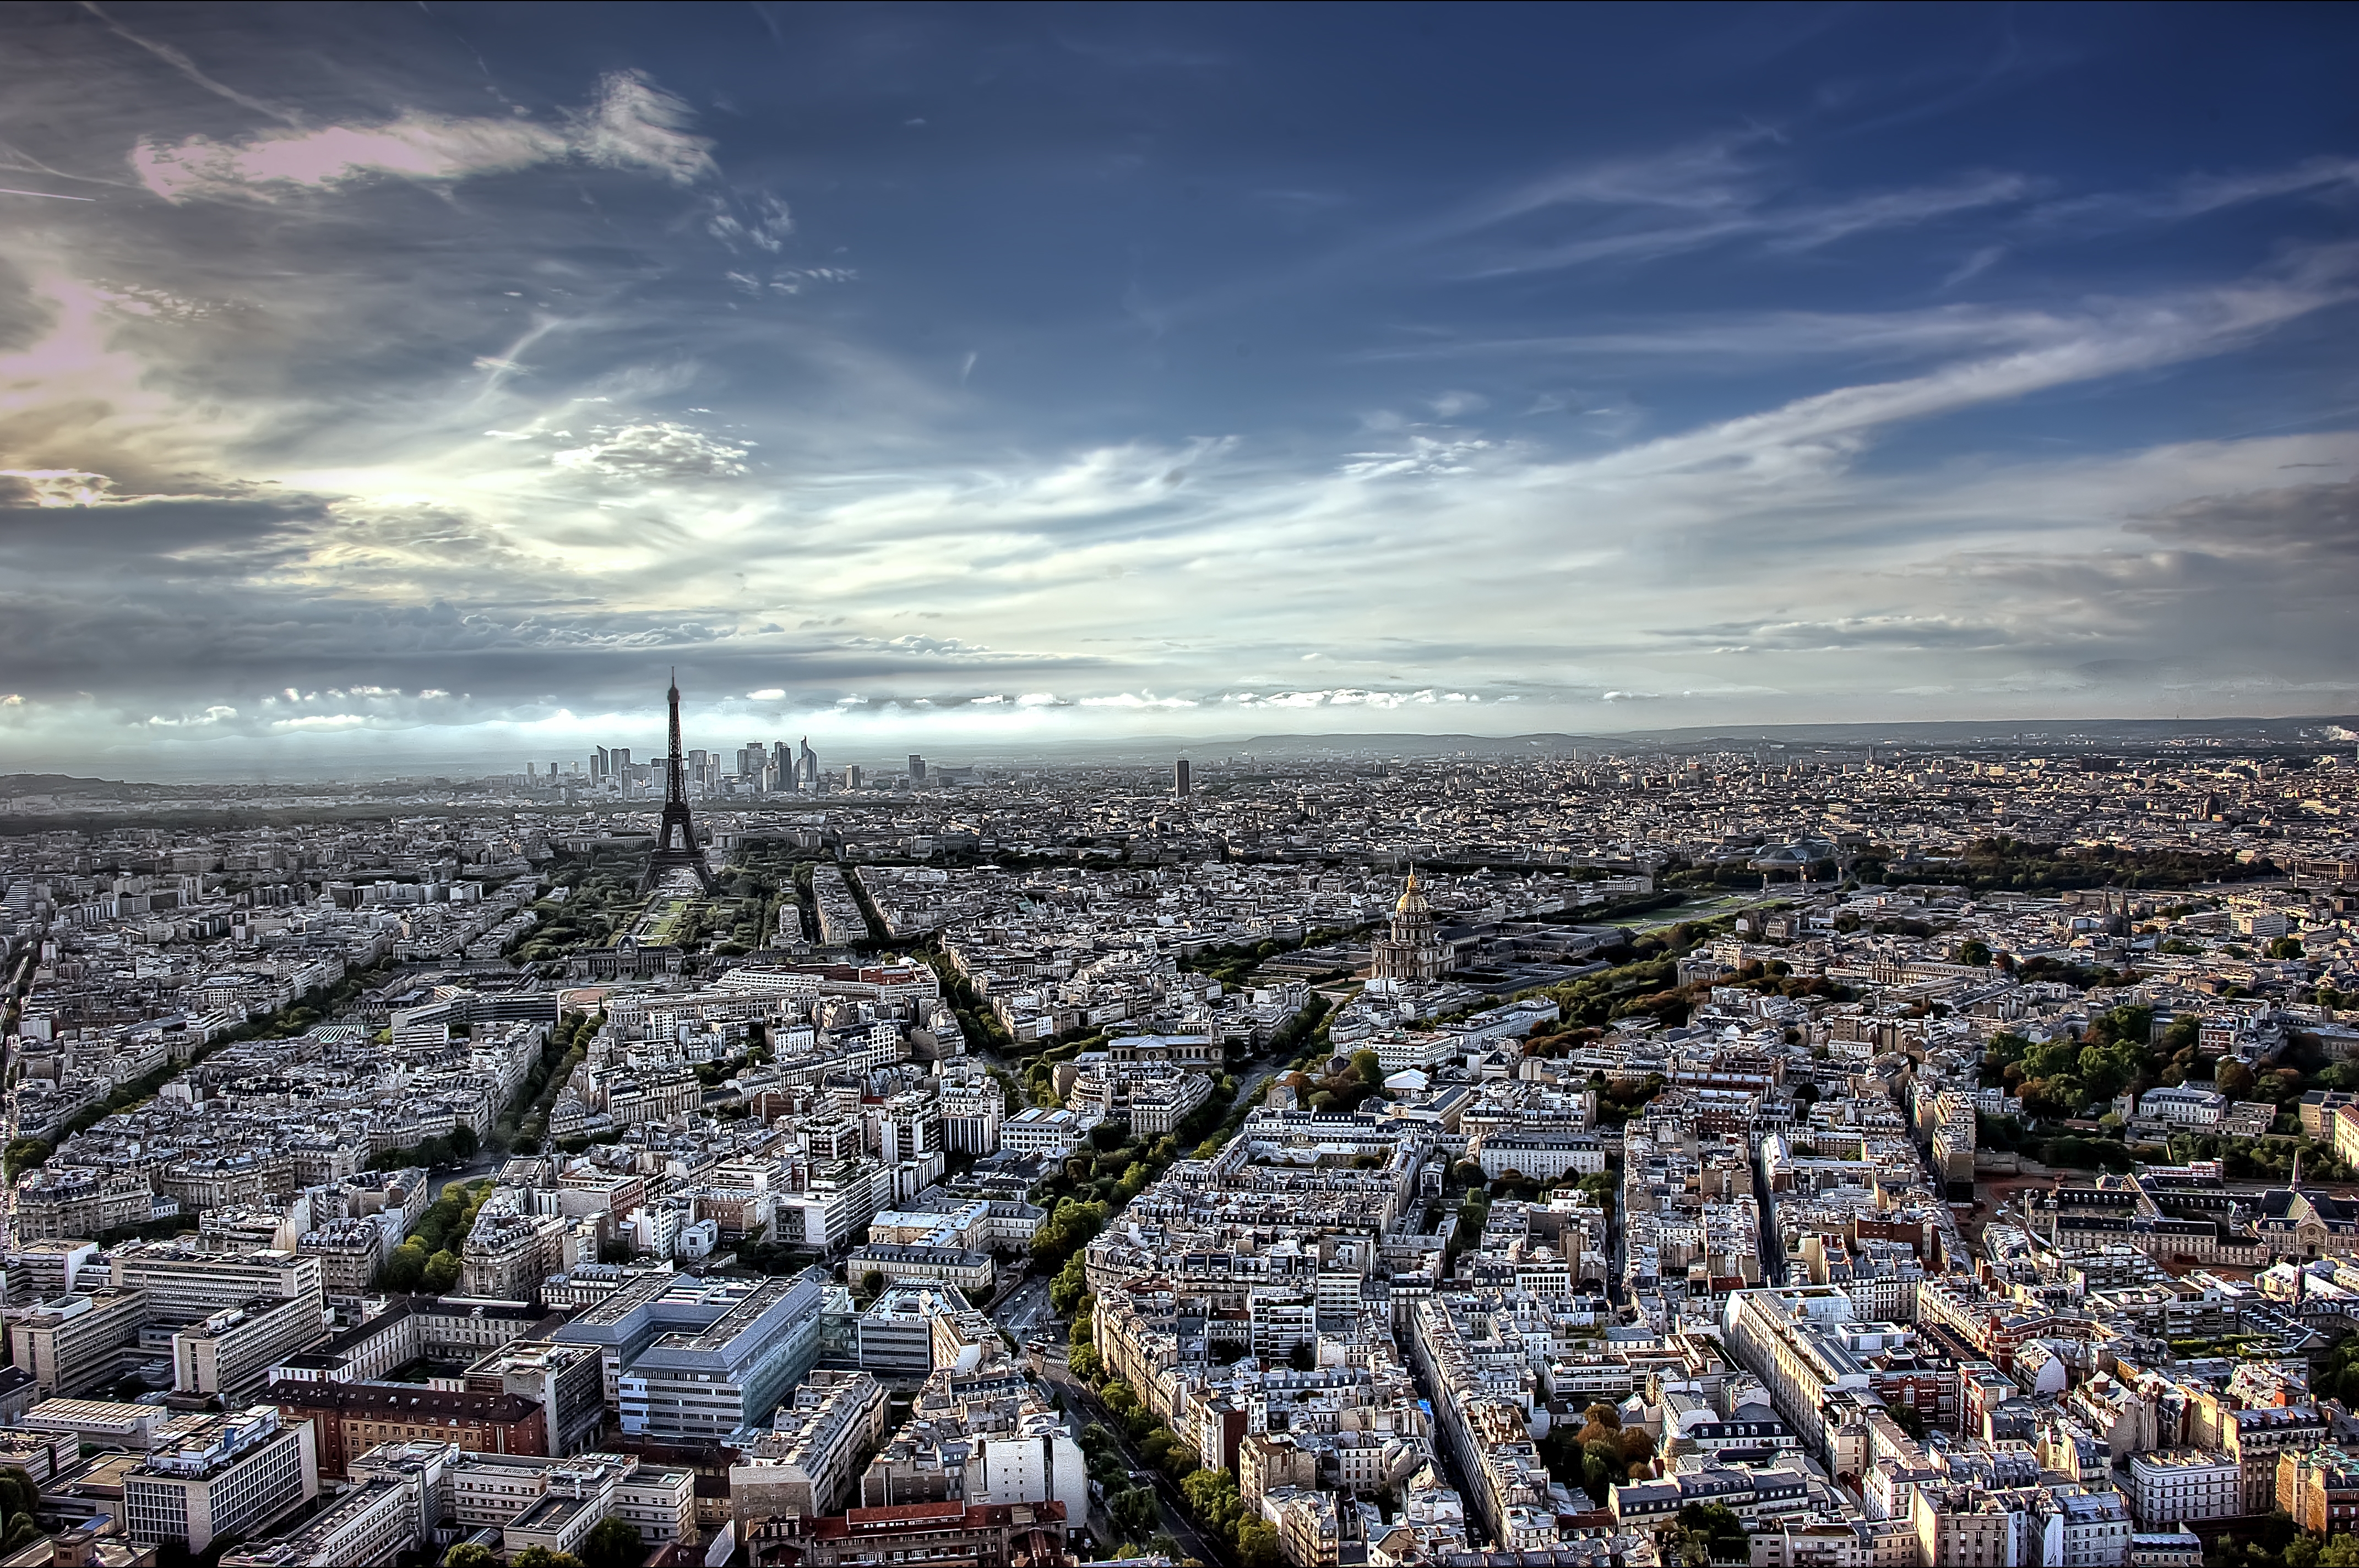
(675, 847)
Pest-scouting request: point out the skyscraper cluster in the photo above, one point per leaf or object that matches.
(758, 768)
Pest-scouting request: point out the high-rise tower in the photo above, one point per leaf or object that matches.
(675, 847)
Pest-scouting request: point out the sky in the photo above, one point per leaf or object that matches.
(431, 381)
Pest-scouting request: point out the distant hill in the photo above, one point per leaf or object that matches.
(2062, 733)
(13, 784)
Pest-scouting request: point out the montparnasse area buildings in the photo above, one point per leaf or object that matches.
(1801, 1154)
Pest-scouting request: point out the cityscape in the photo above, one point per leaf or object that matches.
(1847, 1152)
(884, 785)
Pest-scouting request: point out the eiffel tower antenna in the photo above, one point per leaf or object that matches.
(675, 847)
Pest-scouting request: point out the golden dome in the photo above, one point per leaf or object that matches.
(1410, 896)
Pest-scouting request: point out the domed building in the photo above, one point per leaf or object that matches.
(1412, 952)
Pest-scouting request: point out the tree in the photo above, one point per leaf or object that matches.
(871, 1283)
(613, 1544)
(542, 1557)
(23, 1155)
(403, 1270)
(19, 1495)
(1704, 1526)
(1976, 952)
(1304, 1356)
(2343, 1552)
(2235, 1080)
(1598, 1472)
(470, 1555)
(1071, 1287)
(1256, 1544)
(1132, 1511)
(441, 1272)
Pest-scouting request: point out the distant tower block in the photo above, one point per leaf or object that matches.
(852, 776)
(1179, 779)
(916, 771)
(675, 847)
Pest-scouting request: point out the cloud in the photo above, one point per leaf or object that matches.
(765, 223)
(1142, 699)
(633, 125)
(53, 487)
(179, 61)
(2309, 526)
(1426, 454)
(1737, 213)
(767, 694)
(1974, 266)
(2197, 196)
(660, 450)
(636, 125)
(1346, 697)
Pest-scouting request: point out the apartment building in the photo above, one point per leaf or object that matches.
(809, 1462)
(577, 1494)
(2172, 1484)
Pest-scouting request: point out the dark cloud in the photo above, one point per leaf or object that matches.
(2309, 526)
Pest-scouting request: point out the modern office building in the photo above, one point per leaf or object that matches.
(695, 1360)
(231, 1353)
(187, 1286)
(76, 1343)
(230, 1474)
(375, 1520)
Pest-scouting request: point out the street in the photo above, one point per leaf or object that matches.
(1022, 1309)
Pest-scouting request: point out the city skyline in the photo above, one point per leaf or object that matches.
(393, 387)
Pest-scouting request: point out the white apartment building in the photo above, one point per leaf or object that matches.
(2183, 1103)
(2172, 1484)
(1036, 1131)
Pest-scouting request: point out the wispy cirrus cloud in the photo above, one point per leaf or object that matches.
(632, 123)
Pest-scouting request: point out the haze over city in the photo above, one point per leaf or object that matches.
(392, 384)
